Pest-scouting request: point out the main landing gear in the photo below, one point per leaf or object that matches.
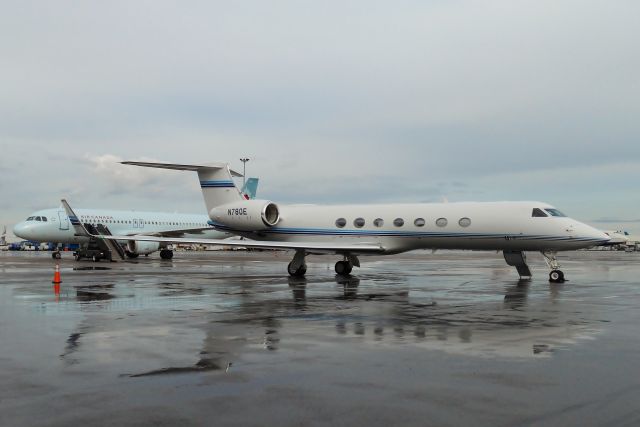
(166, 254)
(297, 267)
(556, 275)
(343, 268)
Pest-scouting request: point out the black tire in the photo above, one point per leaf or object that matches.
(166, 254)
(56, 255)
(132, 255)
(343, 268)
(301, 271)
(556, 276)
(349, 267)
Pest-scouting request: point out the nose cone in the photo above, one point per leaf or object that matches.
(602, 236)
(23, 230)
(593, 235)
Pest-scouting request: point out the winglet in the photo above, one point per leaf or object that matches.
(77, 224)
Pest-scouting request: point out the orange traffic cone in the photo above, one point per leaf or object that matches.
(56, 276)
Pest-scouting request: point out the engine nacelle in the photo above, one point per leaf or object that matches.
(142, 248)
(247, 215)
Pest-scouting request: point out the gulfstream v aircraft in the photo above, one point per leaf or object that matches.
(354, 230)
(52, 225)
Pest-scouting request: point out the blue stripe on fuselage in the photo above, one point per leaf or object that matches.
(381, 233)
(217, 184)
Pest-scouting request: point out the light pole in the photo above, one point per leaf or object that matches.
(244, 161)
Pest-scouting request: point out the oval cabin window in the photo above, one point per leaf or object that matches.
(419, 222)
(358, 222)
(341, 222)
(378, 222)
(464, 222)
(398, 222)
(441, 222)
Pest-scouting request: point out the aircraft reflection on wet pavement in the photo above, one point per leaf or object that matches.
(277, 318)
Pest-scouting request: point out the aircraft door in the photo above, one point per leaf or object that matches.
(64, 220)
(135, 223)
(141, 222)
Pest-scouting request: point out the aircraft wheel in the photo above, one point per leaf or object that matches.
(166, 254)
(301, 271)
(132, 255)
(556, 276)
(56, 255)
(343, 268)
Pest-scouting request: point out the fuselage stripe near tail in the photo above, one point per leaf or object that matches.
(217, 184)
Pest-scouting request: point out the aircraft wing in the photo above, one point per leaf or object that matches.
(315, 247)
(174, 233)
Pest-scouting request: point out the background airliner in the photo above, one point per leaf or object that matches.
(52, 225)
(354, 230)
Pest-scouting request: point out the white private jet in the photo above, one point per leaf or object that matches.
(52, 225)
(354, 230)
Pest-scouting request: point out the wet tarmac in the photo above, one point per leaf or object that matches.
(443, 339)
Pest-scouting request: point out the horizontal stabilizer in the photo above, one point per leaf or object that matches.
(174, 166)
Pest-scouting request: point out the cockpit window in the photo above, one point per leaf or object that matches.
(538, 213)
(38, 218)
(30, 218)
(44, 218)
(555, 212)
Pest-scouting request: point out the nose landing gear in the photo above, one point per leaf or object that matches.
(556, 275)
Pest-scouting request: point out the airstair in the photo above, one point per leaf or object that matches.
(99, 248)
(113, 245)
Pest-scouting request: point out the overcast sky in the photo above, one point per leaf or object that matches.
(346, 101)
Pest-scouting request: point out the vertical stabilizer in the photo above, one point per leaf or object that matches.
(250, 188)
(217, 186)
(216, 181)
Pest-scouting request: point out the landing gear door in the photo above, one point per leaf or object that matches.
(64, 220)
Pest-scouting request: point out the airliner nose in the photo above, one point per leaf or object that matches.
(22, 230)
